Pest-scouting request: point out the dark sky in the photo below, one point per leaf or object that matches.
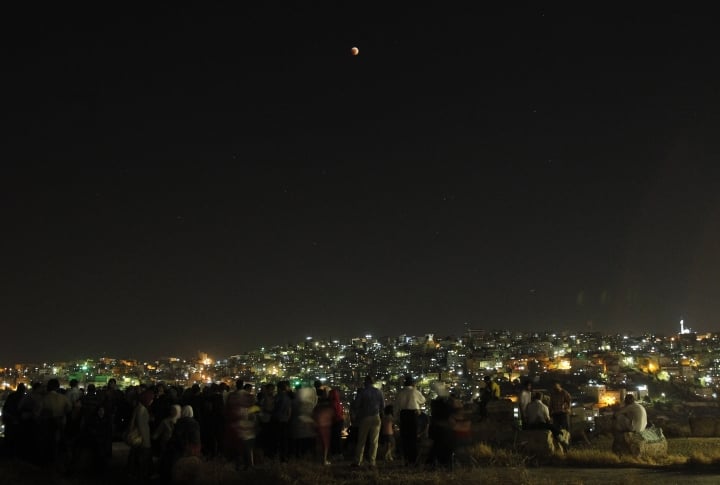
(226, 176)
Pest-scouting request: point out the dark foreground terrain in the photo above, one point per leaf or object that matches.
(307, 473)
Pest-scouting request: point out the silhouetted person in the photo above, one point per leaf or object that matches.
(11, 419)
(140, 457)
(408, 404)
(95, 439)
(51, 422)
(280, 420)
(560, 402)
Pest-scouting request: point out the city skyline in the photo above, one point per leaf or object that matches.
(237, 174)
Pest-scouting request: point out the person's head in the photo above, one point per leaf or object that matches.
(239, 384)
(53, 385)
(629, 399)
(147, 397)
(557, 386)
(187, 411)
(20, 388)
(537, 396)
(369, 381)
(112, 383)
(91, 389)
(73, 382)
(334, 395)
(175, 412)
(247, 387)
(527, 384)
(388, 410)
(409, 381)
(486, 379)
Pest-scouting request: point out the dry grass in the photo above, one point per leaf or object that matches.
(480, 462)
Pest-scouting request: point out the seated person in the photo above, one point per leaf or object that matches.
(631, 417)
(537, 416)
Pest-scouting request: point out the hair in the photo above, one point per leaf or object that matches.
(53, 385)
(369, 380)
(187, 411)
(239, 384)
(175, 411)
(389, 410)
(73, 382)
(486, 378)
(537, 395)
(409, 381)
(629, 399)
(146, 397)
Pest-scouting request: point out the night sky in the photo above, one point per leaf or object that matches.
(223, 177)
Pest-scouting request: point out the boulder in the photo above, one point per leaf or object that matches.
(704, 426)
(650, 443)
(499, 426)
(540, 442)
(604, 424)
(496, 432)
(500, 410)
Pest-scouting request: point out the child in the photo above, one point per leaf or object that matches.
(387, 434)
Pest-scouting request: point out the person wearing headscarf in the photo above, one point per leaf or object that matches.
(140, 457)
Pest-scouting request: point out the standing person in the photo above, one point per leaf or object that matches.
(560, 402)
(162, 434)
(525, 398)
(266, 401)
(95, 429)
(369, 404)
(490, 392)
(28, 408)
(52, 420)
(337, 424)
(241, 426)
(140, 457)
(74, 393)
(181, 462)
(11, 418)
(280, 421)
(387, 434)
(408, 405)
(302, 424)
(323, 416)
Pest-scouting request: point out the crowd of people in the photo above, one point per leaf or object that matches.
(170, 430)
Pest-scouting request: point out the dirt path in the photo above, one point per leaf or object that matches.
(626, 476)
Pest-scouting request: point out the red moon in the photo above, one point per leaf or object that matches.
(354, 51)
